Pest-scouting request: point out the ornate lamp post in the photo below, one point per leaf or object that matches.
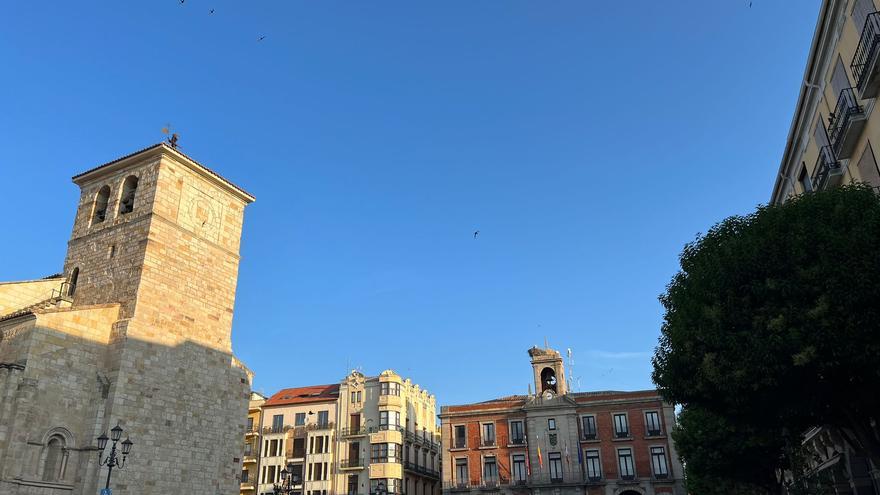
(112, 460)
(288, 480)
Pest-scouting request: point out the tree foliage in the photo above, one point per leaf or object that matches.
(772, 326)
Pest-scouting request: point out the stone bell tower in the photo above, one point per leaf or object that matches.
(158, 234)
(548, 370)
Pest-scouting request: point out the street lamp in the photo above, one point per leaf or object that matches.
(288, 480)
(112, 460)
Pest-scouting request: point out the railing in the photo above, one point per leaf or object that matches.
(352, 432)
(456, 485)
(621, 434)
(654, 433)
(299, 430)
(295, 453)
(65, 290)
(590, 436)
(487, 442)
(388, 458)
(826, 165)
(847, 107)
(866, 50)
(251, 431)
(518, 441)
(389, 428)
(459, 444)
(351, 463)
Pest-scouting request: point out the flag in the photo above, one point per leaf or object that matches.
(567, 455)
(540, 459)
(580, 456)
(528, 466)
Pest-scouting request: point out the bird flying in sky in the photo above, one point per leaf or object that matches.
(476, 233)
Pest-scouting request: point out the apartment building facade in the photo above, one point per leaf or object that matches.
(389, 441)
(365, 435)
(834, 132)
(561, 442)
(250, 468)
(833, 139)
(297, 432)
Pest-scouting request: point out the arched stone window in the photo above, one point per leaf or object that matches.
(100, 209)
(126, 201)
(54, 456)
(548, 379)
(71, 281)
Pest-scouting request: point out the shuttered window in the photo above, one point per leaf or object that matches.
(860, 12)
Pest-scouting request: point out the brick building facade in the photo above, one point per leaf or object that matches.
(560, 442)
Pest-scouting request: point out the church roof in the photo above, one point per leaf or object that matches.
(248, 196)
(304, 395)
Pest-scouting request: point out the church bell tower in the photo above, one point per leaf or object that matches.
(549, 372)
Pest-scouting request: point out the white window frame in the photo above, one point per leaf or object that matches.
(454, 446)
(598, 462)
(625, 415)
(632, 461)
(455, 479)
(659, 422)
(483, 459)
(510, 423)
(595, 427)
(665, 461)
(525, 468)
(483, 434)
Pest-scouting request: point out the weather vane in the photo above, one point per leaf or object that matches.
(172, 140)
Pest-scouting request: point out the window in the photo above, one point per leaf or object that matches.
(551, 424)
(658, 462)
(460, 437)
(250, 424)
(652, 423)
(56, 459)
(588, 423)
(594, 469)
(352, 484)
(277, 423)
(518, 468)
(555, 467)
(273, 448)
(244, 475)
(354, 423)
(389, 420)
(625, 462)
(861, 10)
(389, 388)
(804, 179)
(384, 485)
(126, 201)
(318, 445)
(355, 397)
(488, 434)
(299, 419)
(621, 426)
(299, 447)
(270, 475)
(517, 435)
(323, 419)
(868, 170)
(461, 471)
(318, 472)
(101, 200)
(71, 282)
(385, 452)
(490, 470)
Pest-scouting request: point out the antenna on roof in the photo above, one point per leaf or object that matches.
(571, 369)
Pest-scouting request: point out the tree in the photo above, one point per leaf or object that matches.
(773, 322)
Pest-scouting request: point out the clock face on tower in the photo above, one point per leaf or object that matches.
(548, 394)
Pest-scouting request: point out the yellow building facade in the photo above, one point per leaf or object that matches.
(834, 134)
(249, 466)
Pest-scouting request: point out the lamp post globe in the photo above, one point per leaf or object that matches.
(112, 460)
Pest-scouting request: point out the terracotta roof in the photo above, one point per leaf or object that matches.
(176, 150)
(509, 398)
(304, 395)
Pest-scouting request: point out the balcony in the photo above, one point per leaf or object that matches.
(456, 486)
(247, 485)
(351, 464)
(295, 453)
(864, 64)
(487, 442)
(846, 123)
(590, 436)
(517, 442)
(828, 172)
(353, 432)
(621, 434)
(251, 432)
(654, 433)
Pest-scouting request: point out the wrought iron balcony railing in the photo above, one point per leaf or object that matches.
(351, 463)
(864, 61)
(827, 171)
(845, 124)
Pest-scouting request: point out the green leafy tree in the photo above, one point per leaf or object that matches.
(773, 325)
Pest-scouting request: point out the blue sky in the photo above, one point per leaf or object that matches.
(587, 141)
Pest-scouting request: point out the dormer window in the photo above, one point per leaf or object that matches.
(99, 213)
(126, 201)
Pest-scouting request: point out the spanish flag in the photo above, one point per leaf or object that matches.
(540, 459)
